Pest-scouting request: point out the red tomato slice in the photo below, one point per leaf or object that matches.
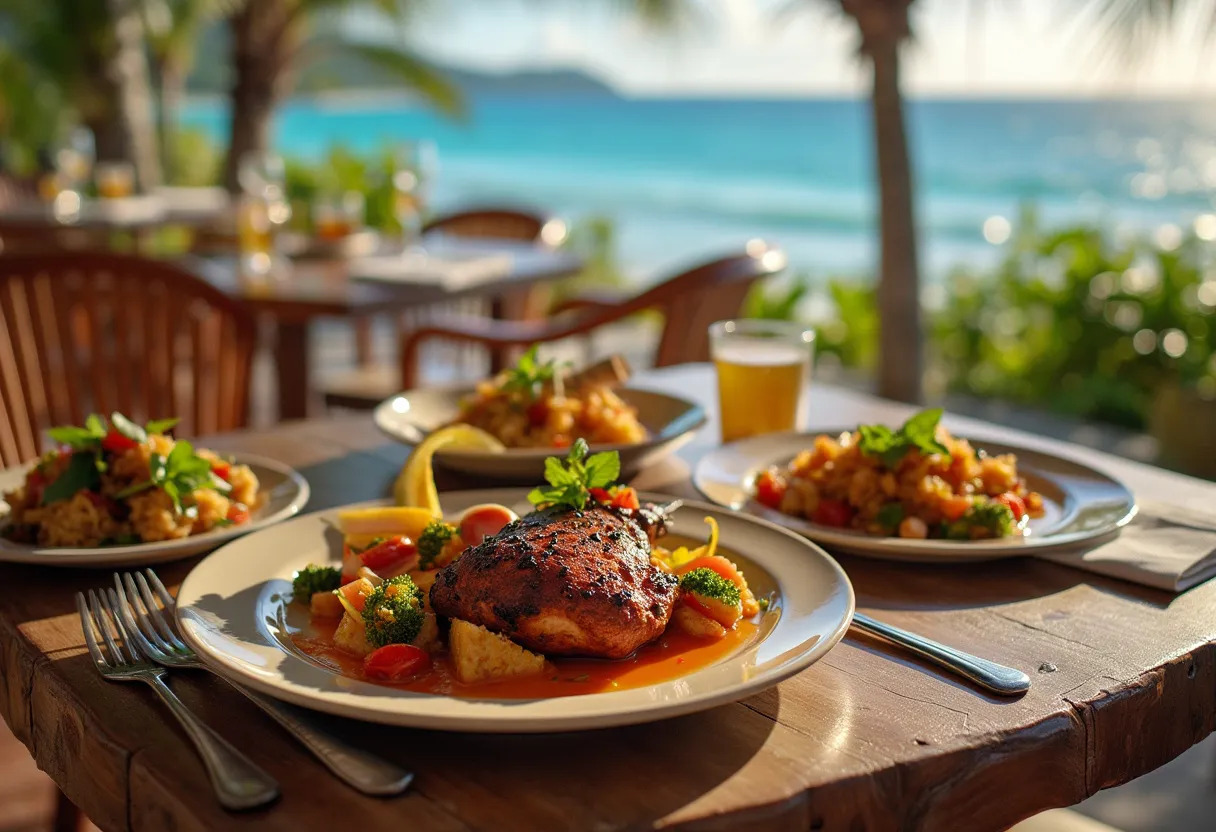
(770, 489)
(626, 498)
(222, 469)
(238, 513)
(116, 443)
(1015, 503)
(396, 662)
(833, 513)
(538, 412)
(391, 552)
(600, 495)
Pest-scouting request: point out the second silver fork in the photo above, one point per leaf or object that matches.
(359, 769)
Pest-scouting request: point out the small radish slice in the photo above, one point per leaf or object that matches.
(485, 520)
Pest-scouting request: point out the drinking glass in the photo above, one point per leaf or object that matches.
(114, 180)
(335, 218)
(762, 367)
(414, 166)
(259, 172)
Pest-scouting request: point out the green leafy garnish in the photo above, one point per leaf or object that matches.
(890, 515)
(571, 480)
(80, 475)
(179, 473)
(529, 375)
(160, 425)
(919, 433)
(82, 438)
(128, 428)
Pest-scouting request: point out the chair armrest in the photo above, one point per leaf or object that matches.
(593, 301)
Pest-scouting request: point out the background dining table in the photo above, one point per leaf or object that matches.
(299, 293)
(1123, 680)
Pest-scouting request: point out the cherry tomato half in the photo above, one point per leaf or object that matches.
(238, 513)
(388, 553)
(222, 469)
(832, 513)
(770, 489)
(116, 443)
(600, 495)
(396, 662)
(1015, 503)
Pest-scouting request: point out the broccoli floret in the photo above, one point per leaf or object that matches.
(996, 519)
(393, 612)
(432, 540)
(313, 579)
(707, 583)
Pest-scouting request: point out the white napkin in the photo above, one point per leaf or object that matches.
(1165, 547)
(450, 270)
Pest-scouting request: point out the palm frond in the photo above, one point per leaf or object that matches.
(1126, 29)
(430, 83)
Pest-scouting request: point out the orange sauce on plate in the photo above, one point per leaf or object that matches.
(668, 657)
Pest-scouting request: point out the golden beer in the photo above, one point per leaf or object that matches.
(762, 367)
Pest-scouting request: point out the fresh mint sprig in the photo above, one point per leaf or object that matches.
(570, 480)
(529, 375)
(178, 473)
(919, 433)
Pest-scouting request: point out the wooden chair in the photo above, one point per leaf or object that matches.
(367, 386)
(98, 332)
(689, 303)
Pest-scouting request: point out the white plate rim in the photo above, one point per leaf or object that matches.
(534, 720)
(897, 548)
(165, 550)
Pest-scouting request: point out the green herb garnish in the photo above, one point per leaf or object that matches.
(571, 480)
(529, 375)
(160, 425)
(84, 438)
(80, 475)
(179, 473)
(919, 433)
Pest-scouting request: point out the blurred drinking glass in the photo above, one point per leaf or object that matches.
(114, 180)
(255, 233)
(259, 172)
(414, 169)
(336, 218)
(762, 367)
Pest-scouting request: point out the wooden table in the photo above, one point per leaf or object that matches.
(306, 291)
(1124, 679)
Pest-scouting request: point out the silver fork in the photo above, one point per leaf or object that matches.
(238, 782)
(156, 633)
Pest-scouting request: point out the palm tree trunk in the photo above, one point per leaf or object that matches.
(262, 37)
(126, 132)
(900, 346)
(170, 84)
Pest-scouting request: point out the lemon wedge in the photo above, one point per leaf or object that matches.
(415, 484)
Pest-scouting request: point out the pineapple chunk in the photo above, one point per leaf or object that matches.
(483, 656)
(695, 624)
(351, 636)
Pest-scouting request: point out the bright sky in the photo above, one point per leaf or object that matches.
(739, 46)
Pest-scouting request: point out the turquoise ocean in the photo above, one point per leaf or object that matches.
(684, 178)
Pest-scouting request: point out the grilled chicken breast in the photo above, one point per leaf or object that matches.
(564, 583)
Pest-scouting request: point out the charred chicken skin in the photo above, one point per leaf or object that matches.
(565, 582)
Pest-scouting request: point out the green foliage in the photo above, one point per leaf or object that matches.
(1084, 324)
(777, 302)
(194, 160)
(919, 433)
(529, 375)
(342, 171)
(571, 480)
(313, 579)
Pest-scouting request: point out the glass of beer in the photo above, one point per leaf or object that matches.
(114, 180)
(763, 367)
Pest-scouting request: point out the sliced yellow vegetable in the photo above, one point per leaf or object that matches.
(384, 521)
(415, 485)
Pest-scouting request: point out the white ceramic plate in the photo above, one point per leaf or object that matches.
(1080, 503)
(232, 612)
(410, 416)
(286, 494)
